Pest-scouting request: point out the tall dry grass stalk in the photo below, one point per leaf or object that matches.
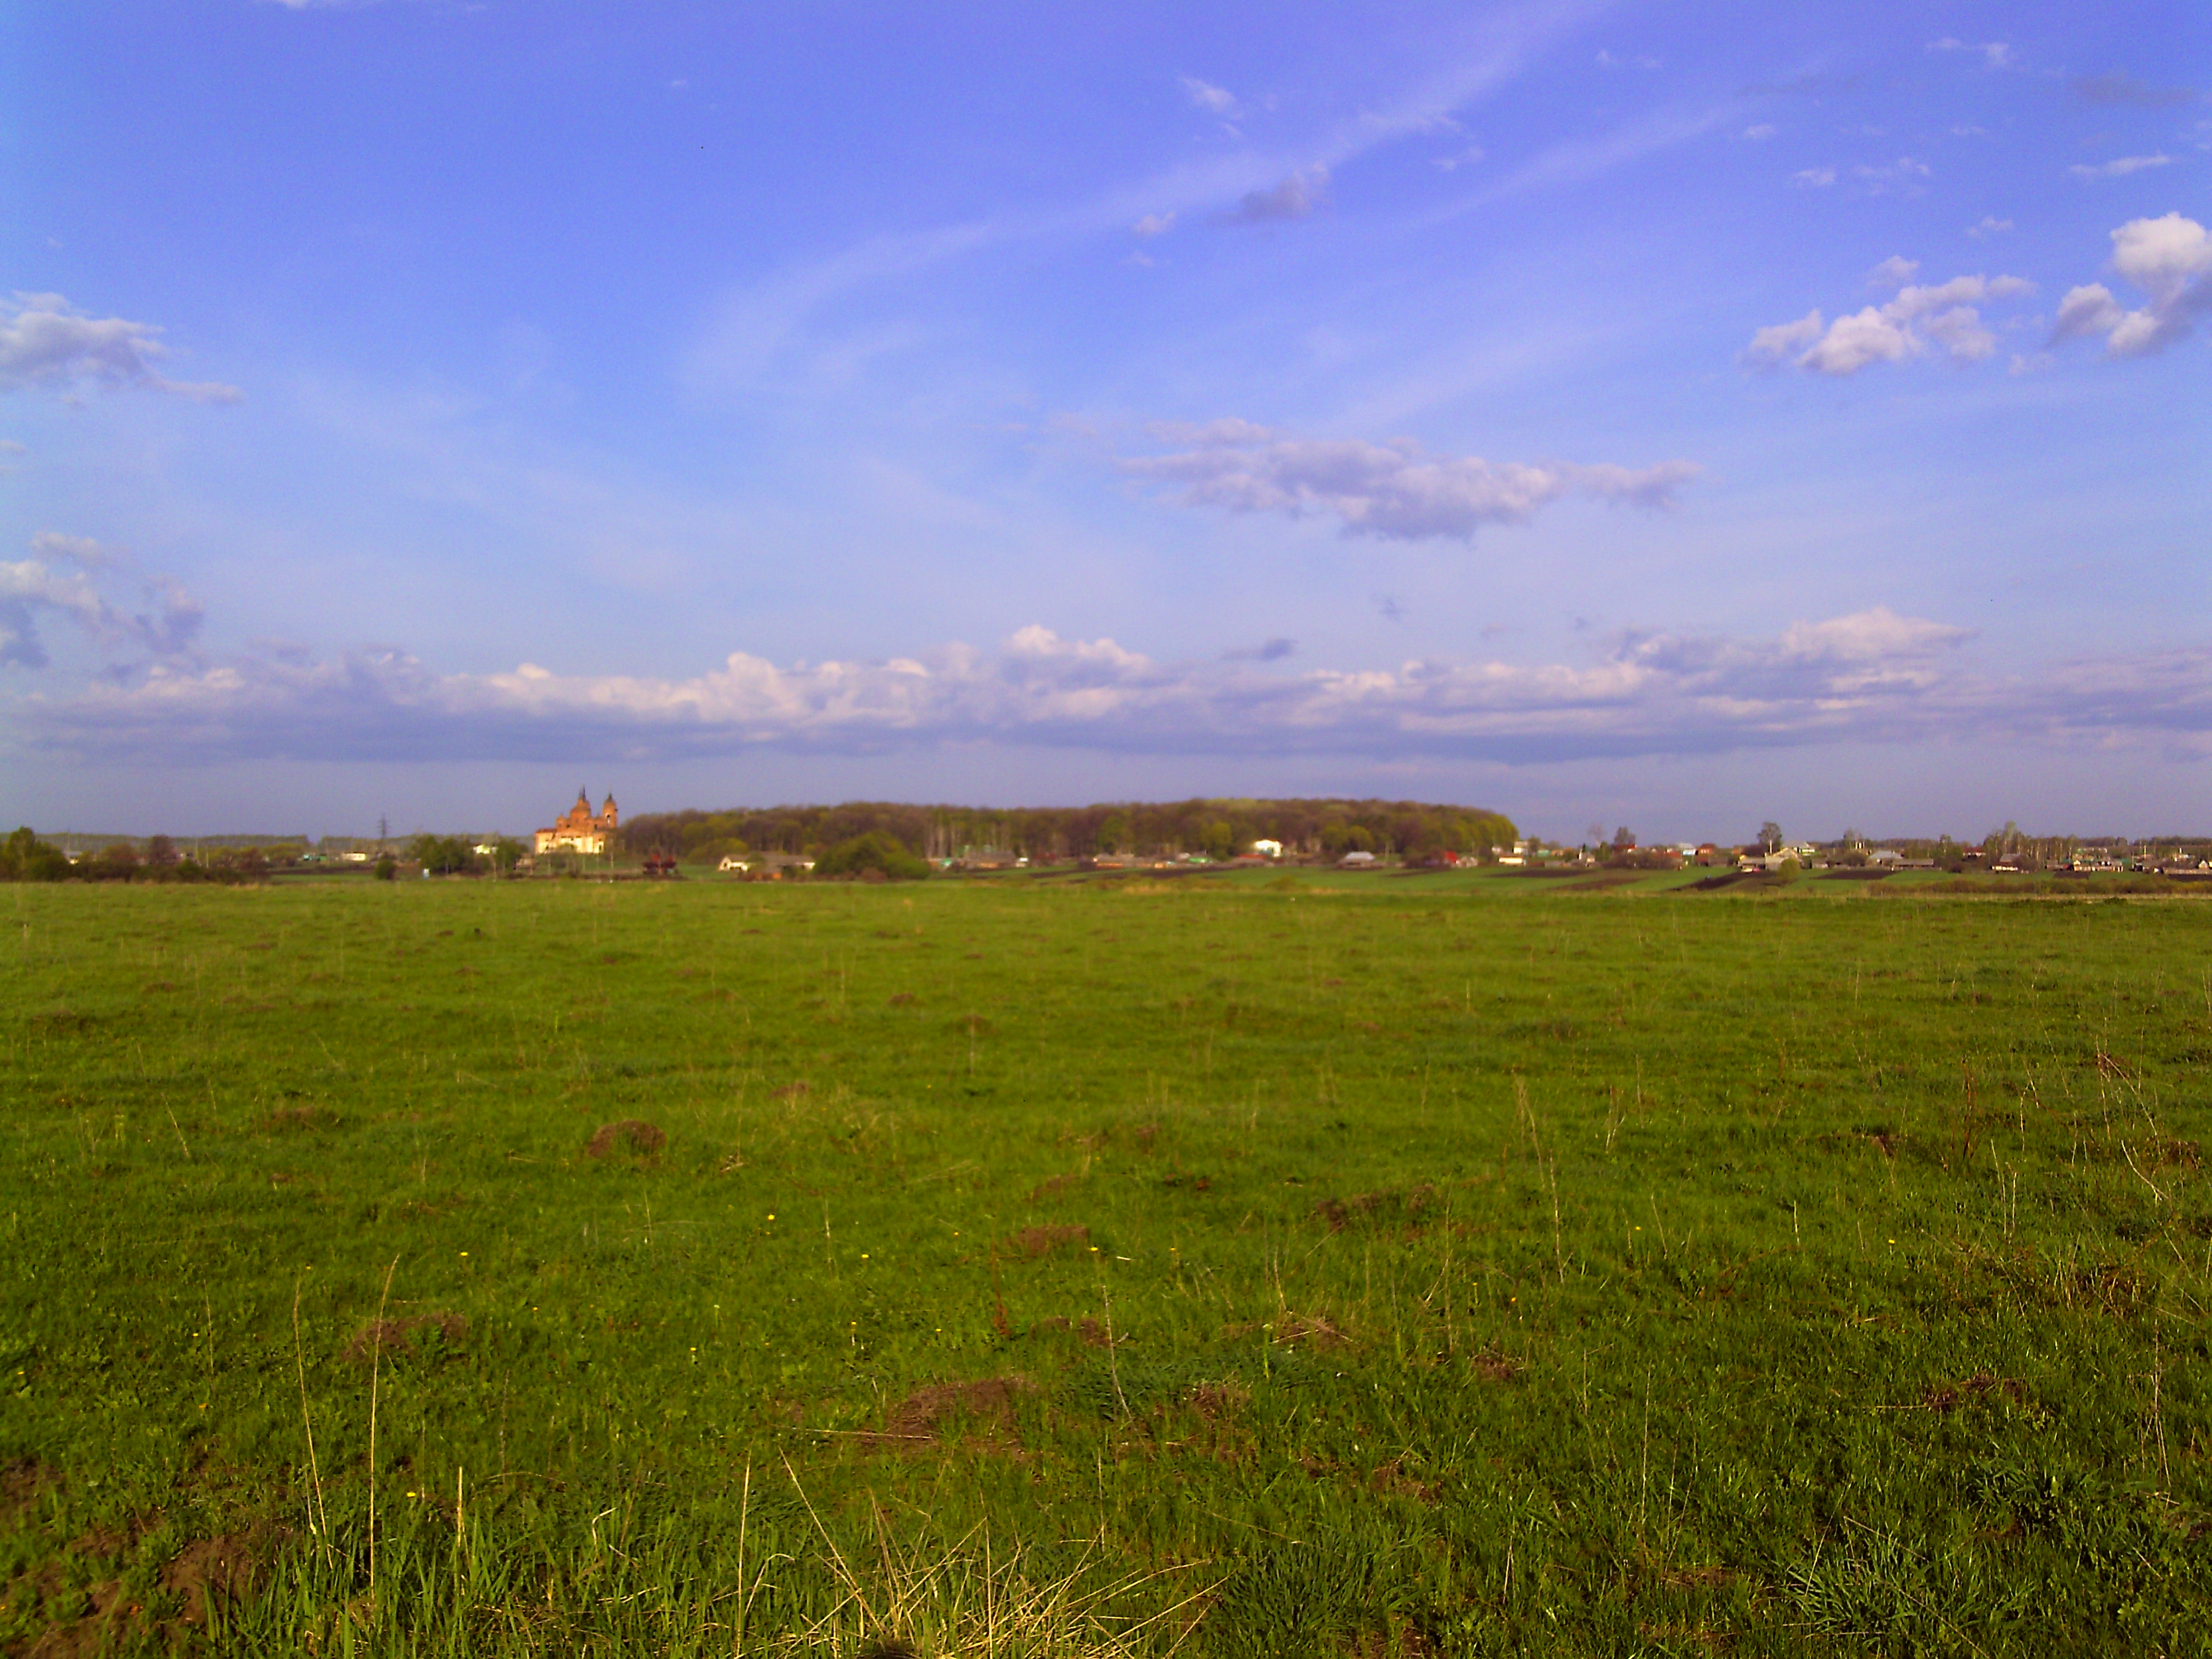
(318, 1519)
(375, 1373)
(963, 1600)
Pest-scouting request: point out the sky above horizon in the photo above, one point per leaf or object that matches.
(1677, 418)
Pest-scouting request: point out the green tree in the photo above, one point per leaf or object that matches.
(24, 857)
(875, 855)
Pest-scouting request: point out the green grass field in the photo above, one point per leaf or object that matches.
(1225, 1265)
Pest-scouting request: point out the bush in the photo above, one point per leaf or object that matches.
(24, 857)
(387, 868)
(885, 855)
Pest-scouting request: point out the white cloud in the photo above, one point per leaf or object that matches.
(2170, 260)
(1941, 315)
(1466, 158)
(9, 446)
(1395, 491)
(1154, 224)
(1870, 675)
(1893, 272)
(1293, 199)
(1995, 54)
(1902, 175)
(1213, 99)
(45, 341)
(28, 587)
(1989, 225)
(1813, 177)
(2119, 167)
(1760, 133)
(74, 550)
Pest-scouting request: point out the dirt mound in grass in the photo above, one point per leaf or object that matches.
(20, 1484)
(397, 1336)
(919, 1419)
(212, 1570)
(1033, 1242)
(640, 1137)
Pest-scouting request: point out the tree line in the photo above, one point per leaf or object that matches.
(1216, 829)
(24, 857)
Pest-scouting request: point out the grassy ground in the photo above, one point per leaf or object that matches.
(1230, 1265)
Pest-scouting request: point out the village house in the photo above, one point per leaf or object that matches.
(580, 829)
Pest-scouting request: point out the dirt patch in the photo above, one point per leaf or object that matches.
(1034, 1241)
(397, 1336)
(299, 1117)
(797, 1089)
(1973, 1391)
(155, 985)
(23, 1483)
(919, 1419)
(1494, 1367)
(901, 1000)
(642, 1139)
(1714, 883)
(1216, 1400)
(1338, 1213)
(212, 1570)
(1052, 1188)
(60, 1022)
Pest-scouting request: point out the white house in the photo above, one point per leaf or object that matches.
(732, 862)
(1267, 849)
(1355, 861)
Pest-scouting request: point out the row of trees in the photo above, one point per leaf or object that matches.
(1218, 829)
(24, 857)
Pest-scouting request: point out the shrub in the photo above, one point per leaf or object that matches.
(883, 855)
(24, 857)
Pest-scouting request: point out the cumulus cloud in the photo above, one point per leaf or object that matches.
(1941, 317)
(1395, 491)
(2116, 89)
(1813, 177)
(166, 626)
(2169, 259)
(1995, 54)
(1871, 676)
(1760, 133)
(46, 343)
(2119, 167)
(1294, 199)
(1893, 272)
(52, 544)
(1154, 224)
(1215, 100)
(1989, 225)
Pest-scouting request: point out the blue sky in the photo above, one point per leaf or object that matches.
(1671, 415)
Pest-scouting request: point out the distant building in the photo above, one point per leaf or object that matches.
(1356, 860)
(1267, 849)
(578, 829)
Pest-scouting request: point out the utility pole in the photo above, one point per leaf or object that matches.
(383, 831)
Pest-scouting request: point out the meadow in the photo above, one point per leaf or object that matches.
(1241, 1264)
